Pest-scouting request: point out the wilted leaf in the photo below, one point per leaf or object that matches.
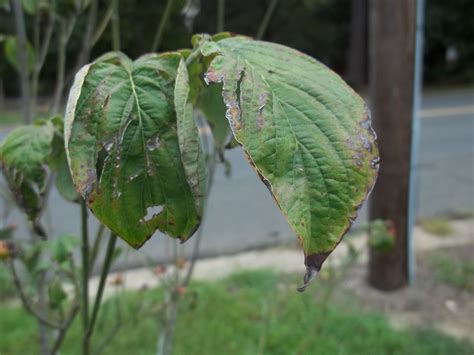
(10, 48)
(307, 134)
(24, 158)
(123, 148)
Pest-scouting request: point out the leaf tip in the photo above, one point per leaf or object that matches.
(313, 264)
(311, 273)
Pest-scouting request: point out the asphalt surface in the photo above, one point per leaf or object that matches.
(242, 214)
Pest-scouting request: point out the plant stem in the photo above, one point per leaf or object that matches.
(161, 27)
(220, 15)
(197, 242)
(24, 299)
(86, 40)
(60, 67)
(43, 329)
(102, 25)
(96, 248)
(22, 60)
(266, 19)
(98, 298)
(85, 269)
(165, 343)
(41, 54)
(115, 26)
(65, 326)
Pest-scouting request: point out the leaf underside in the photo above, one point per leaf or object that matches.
(123, 147)
(307, 134)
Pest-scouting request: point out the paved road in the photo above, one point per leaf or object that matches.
(242, 214)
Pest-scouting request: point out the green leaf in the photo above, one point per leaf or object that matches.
(381, 237)
(6, 233)
(56, 294)
(10, 48)
(24, 157)
(5, 5)
(307, 134)
(29, 6)
(213, 108)
(192, 154)
(65, 8)
(63, 246)
(58, 162)
(123, 148)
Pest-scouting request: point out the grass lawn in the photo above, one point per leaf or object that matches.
(248, 313)
(10, 118)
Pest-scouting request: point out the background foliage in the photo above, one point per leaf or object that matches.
(448, 25)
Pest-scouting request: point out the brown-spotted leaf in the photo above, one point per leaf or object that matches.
(123, 149)
(305, 131)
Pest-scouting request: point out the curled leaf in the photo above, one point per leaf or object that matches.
(123, 149)
(24, 158)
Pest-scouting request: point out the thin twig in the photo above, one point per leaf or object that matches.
(64, 328)
(24, 299)
(220, 15)
(85, 267)
(64, 36)
(96, 247)
(22, 60)
(86, 40)
(98, 298)
(198, 237)
(115, 26)
(42, 52)
(102, 25)
(161, 27)
(266, 19)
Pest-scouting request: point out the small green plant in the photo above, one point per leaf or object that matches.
(381, 235)
(459, 273)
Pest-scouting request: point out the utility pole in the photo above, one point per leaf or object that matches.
(392, 27)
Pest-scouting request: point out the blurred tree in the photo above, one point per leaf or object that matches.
(449, 28)
(356, 72)
(392, 41)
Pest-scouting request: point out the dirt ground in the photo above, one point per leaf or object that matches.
(429, 302)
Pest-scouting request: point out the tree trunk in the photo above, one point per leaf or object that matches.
(357, 54)
(392, 43)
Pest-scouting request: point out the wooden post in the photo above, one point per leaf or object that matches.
(391, 62)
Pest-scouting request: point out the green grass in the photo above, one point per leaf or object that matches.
(438, 226)
(7, 290)
(10, 118)
(459, 273)
(249, 313)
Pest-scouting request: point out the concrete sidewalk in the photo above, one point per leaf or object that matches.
(279, 259)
